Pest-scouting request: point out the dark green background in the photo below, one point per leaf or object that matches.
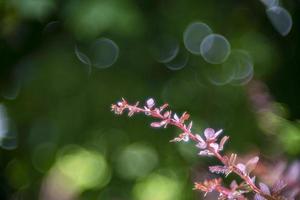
(60, 105)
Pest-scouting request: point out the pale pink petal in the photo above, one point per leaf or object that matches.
(233, 185)
(190, 126)
(205, 153)
(185, 137)
(150, 103)
(251, 164)
(215, 146)
(209, 133)
(218, 133)
(241, 167)
(176, 118)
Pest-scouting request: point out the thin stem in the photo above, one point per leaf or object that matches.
(155, 113)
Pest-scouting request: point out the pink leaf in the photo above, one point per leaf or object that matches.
(167, 114)
(218, 169)
(218, 133)
(201, 143)
(190, 126)
(176, 118)
(215, 146)
(278, 186)
(223, 141)
(156, 124)
(251, 164)
(241, 167)
(233, 185)
(205, 153)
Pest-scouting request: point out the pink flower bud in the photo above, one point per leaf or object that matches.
(209, 133)
(150, 103)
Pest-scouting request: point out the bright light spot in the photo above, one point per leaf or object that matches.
(8, 138)
(158, 187)
(194, 35)
(280, 19)
(4, 121)
(215, 48)
(290, 137)
(102, 53)
(220, 75)
(85, 169)
(270, 3)
(165, 49)
(136, 160)
(179, 61)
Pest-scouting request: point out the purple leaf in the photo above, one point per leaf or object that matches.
(264, 188)
(258, 197)
(223, 141)
(293, 172)
(233, 185)
(278, 186)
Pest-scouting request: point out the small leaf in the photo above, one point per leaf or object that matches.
(264, 188)
(167, 114)
(218, 169)
(190, 126)
(232, 159)
(176, 118)
(233, 185)
(258, 197)
(185, 137)
(215, 146)
(278, 186)
(251, 164)
(241, 167)
(205, 153)
(218, 133)
(184, 117)
(223, 141)
(163, 107)
(156, 124)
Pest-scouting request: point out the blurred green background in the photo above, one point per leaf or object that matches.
(59, 139)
